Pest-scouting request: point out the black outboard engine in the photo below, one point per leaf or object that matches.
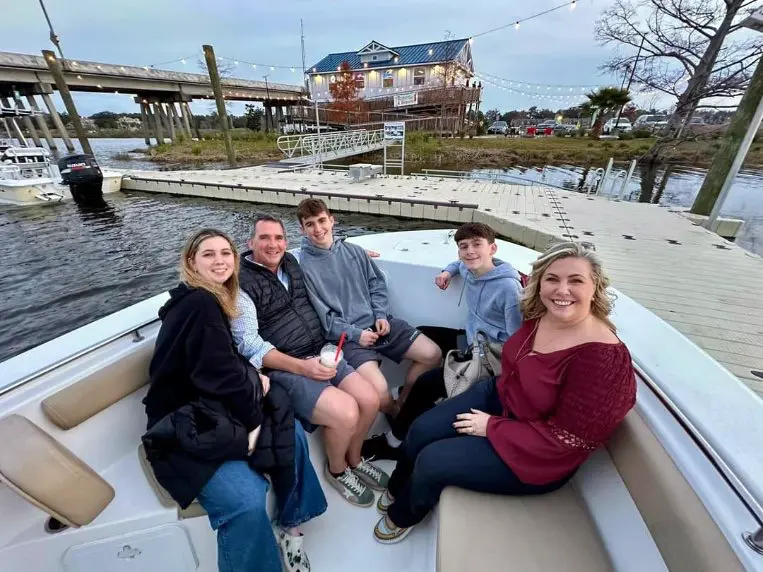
(83, 175)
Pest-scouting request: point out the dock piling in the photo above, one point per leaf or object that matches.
(214, 78)
(55, 69)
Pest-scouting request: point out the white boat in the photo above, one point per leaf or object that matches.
(679, 486)
(28, 177)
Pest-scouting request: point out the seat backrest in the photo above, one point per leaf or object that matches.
(97, 390)
(683, 530)
(41, 470)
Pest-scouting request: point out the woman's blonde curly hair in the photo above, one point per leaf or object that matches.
(601, 305)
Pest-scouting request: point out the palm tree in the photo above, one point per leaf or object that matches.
(604, 101)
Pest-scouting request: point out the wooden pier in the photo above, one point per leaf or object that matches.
(701, 284)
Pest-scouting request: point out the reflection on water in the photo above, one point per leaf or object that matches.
(65, 265)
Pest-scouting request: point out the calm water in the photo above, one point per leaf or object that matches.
(65, 266)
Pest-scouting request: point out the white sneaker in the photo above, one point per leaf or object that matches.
(385, 500)
(293, 556)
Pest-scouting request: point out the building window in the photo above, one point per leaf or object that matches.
(360, 81)
(373, 58)
(332, 79)
(388, 80)
(419, 75)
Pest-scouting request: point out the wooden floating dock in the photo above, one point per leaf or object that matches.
(703, 285)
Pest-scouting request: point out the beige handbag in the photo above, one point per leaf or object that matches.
(463, 369)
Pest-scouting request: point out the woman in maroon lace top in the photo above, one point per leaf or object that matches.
(567, 381)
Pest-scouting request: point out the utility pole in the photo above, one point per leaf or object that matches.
(734, 147)
(268, 108)
(58, 76)
(630, 79)
(214, 78)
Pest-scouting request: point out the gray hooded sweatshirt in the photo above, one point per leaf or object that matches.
(346, 288)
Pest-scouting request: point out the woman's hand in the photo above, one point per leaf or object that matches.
(474, 423)
(265, 381)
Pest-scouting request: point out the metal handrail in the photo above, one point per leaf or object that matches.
(324, 143)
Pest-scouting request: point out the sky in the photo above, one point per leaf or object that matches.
(557, 49)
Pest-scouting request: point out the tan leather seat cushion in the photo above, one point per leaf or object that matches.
(193, 510)
(524, 534)
(93, 393)
(683, 530)
(47, 474)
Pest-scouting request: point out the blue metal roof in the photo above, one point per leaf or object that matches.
(408, 56)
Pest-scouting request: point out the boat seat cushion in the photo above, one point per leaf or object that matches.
(528, 534)
(44, 472)
(99, 389)
(193, 510)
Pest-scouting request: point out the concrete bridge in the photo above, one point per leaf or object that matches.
(157, 92)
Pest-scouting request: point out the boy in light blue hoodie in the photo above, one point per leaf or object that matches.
(493, 293)
(493, 287)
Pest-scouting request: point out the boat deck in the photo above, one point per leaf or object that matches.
(701, 284)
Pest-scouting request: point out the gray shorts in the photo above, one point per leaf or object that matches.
(304, 392)
(393, 346)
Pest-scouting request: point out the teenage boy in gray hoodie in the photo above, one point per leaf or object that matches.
(493, 291)
(349, 293)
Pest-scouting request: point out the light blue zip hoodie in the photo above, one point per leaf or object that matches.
(493, 300)
(345, 287)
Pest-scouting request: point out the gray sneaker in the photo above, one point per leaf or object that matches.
(371, 475)
(351, 488)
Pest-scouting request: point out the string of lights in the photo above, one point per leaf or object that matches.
(534, 95)
(571, 4)
(539, 87)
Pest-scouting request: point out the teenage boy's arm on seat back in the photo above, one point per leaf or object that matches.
(333, 322)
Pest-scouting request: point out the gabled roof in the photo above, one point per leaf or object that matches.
(374, 48)
(407, 56)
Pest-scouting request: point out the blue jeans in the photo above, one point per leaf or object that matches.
(434, 455)
(235, 500)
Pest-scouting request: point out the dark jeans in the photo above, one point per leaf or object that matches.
(435, 456)
(428, 388)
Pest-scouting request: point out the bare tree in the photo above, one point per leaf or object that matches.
(690, 48)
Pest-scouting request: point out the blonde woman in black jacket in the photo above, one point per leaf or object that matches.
(196, 367)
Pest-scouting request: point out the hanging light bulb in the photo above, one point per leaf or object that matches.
(272, 68)
(182, 61)
(235, 62)
(516, 25)
(292, 70)
(254, 66)
(573, 4)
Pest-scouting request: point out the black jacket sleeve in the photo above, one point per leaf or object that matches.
(215, 368)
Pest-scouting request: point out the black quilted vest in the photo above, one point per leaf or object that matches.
(286, 318)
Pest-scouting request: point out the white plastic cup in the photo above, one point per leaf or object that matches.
(327, 356)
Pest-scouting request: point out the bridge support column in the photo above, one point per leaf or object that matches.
(192, 121)
(41, 123)
(159, 124)
(62, 132)
(185, 112)
(28, 122)
(144, 123)
(167, 116)
(268, 117)
(17, 133)
(63, 89)
(152, 119)
(279, 118)
(176, 117)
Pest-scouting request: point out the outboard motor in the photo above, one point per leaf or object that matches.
(83, 175)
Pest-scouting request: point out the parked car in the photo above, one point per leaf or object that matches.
(622, 125)
(695, 121)
(499, 128)
(651, 122)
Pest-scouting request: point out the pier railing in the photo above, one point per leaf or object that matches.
(326, 146)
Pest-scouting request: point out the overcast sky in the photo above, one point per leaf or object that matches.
(558, 48)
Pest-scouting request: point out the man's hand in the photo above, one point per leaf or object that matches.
(314, 369)
(368, 338)
(382, 327)
(372, 253)
(442, 280)
(265, 381)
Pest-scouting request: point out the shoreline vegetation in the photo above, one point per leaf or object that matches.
(427, 150)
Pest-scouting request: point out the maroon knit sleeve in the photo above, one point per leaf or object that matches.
(599, 388)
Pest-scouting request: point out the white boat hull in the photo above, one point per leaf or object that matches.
(45, 190)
